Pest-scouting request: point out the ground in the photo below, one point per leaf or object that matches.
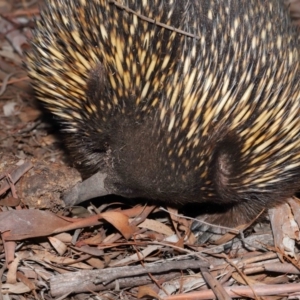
(109, 249)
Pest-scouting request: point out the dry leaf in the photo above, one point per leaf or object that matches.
(29, 114)
(156, 226)
(59, 246)
(17, 288)
(26, 223)
(64, 237)
(96, 263)
(49, 139)
(26, 281)
(46, 256)
(241, 280)
(12, 271)
(94, 251)
(93, 240)
(120, 222)
(137, 256)
(146, 291)
(9, 248)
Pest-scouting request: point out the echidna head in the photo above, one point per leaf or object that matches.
(199, 101)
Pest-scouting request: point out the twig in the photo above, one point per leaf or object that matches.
(59, 288)
(84, 280)
(217, 288)
(163, 25)
(115, 273)
(237, 291)
(245, 278)
(5, 83)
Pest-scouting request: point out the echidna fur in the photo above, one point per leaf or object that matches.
(207, 112)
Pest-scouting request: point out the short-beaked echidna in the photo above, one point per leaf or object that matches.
(181, 101)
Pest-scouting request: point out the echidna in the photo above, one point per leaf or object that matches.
(181, 101)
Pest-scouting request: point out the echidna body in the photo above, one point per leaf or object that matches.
(204, 109)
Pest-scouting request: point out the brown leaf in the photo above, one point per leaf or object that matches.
(10, 201)
(29, 114)
(9, 248)
(156, 226)
(23, 224)
(59, 260)
(96, 263)
(93, 240)
(12, 271)
(16, 288)
(120, 222)
(26, 281)
(146, 291)
(64, 237)
(58, 245)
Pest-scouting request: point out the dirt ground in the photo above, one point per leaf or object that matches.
(112, 250)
